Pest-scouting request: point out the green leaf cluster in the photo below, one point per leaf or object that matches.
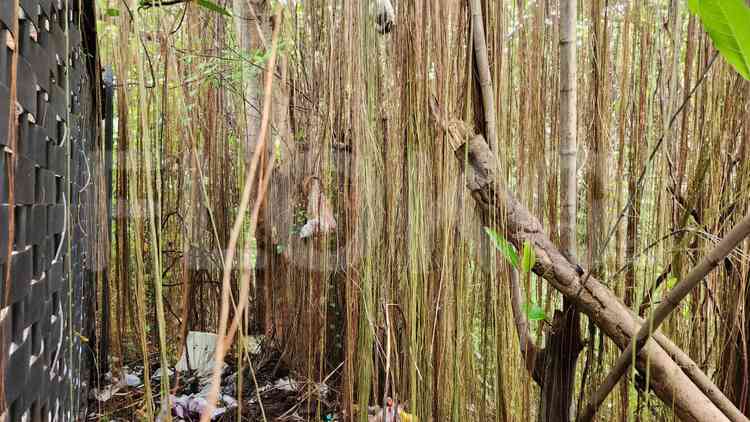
(535, 312)
(525, 264)
(503, 246)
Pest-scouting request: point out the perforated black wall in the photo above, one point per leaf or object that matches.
(47, 303)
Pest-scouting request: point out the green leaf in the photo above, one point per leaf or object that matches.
(728, 24)
(671, 282)
(505, 247)
(208, 4)
(693, 6)
(112, 12)
(529, 257)
(535, 312)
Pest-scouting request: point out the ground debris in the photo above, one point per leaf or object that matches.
(275, 392)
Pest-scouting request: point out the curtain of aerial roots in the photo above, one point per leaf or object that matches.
(405, 291)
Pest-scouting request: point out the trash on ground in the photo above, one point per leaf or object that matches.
(271, 385)
(191, 407)
(106, 392)
(157, 374)
(199, 353)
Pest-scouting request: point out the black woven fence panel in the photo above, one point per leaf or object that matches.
(48, 315)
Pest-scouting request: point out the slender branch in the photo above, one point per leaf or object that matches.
(529, 350)
(658, 315)
(147, 4)
(483, 70)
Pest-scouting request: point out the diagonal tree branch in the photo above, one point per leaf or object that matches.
(658, 315)
(683, 385)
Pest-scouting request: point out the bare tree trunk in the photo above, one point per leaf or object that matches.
(559, 359)
(568, 144)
